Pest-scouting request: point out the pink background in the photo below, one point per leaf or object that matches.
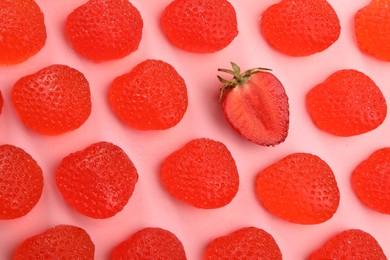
(151, 205)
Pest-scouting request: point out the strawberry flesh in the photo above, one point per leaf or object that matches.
(256, 105)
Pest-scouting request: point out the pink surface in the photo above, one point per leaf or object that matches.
(151, 205)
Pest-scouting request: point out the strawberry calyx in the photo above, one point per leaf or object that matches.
(238, 77)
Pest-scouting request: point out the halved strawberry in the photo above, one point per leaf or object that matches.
(256, 105)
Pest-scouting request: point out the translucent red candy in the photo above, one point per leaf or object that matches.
(350, 244)
(372, 29)
(300, 27)
(103, 30)
(152, 96)
(21, 182)
(248, 243)
(59, 242)
(300, 188)
(97, 181)
(150, 243)
(347, 103)
(371, 181)
(22, 30)
(202, 26)
(53, 100)
(203, 174)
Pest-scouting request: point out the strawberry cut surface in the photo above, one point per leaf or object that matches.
(347, 103)
(248, 243)
(255, 104)
(150, 243)
(152, 96)
(103, 30)
(300, 188)
(97, 181)
(202, 173)
(350, 244)
(59, 242)
(22, 31)
(21, 182)
(371, 181)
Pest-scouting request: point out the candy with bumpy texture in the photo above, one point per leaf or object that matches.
(150, 243)
(202, 26)
(22, 31)
(59, 242)
(248, 243)
(53, 100)
(203, 174)
(103, 30)
(300, 27)
(372, 29)
(350, 244)
(300, 188)
(21, 182)
(97, 181)
(152, 96)
(347, 103)
(371, 181)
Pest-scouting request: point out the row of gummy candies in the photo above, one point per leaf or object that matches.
(249, 241)
(107, 30)
(157, 243)
(94, 42)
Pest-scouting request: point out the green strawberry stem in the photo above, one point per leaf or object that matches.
(238, 78)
